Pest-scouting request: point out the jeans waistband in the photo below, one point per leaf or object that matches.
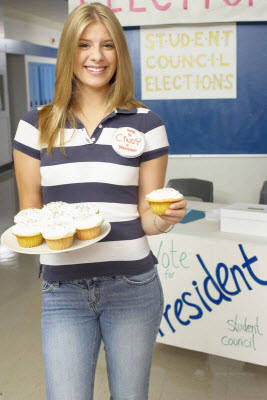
(93, 279)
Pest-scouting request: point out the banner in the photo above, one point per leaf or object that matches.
(214, 294)
(160, 12)
(188, 62)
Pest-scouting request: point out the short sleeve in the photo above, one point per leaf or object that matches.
(27, 135)
(157, 144)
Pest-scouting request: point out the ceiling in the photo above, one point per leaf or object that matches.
(54, 10)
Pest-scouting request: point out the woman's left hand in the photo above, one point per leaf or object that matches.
(175, 213)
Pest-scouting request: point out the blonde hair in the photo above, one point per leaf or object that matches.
(54, 116)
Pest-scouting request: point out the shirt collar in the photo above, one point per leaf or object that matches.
(79, 124)
(124, 111)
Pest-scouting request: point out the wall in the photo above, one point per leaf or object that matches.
(33, 33)
(17, 89)
(2, 29)
(21, 26)
(5, 139)
(30, 29)
(235, 179)
(5, 142)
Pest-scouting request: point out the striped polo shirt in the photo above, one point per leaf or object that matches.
(92, 171)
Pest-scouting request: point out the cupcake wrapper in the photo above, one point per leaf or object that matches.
(160, 208)
(88, 234)
(60, 244)
(30, 241)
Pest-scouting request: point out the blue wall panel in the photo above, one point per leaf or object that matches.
(41, 81)
(224, 126)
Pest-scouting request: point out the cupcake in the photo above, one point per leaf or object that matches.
(56, 217)
(30, 214)
(161, 199)
(84, 208)
(28, 234)
(55, 207)
(58, 236)
(88, 226)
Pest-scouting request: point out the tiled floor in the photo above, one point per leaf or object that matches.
(177, 374)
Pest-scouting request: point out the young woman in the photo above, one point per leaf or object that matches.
(65, 151)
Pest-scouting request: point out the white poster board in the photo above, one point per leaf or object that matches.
(188, 62)
(160, 12)
(215, 294)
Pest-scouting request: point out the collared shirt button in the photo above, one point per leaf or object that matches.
(100, 126)
(93, 139)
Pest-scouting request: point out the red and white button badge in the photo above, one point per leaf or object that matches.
(128, 142)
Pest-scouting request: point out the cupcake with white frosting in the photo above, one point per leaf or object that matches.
(58, 236)
(28, 233)
(28, 215)
(56, 207)
(161, 199)
(88, 226)
(57, 222)
(84, 209)
(56, 217)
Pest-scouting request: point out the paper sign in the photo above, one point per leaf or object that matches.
(160, 12)
(188, 62)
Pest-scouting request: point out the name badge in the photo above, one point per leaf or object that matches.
(128, 142)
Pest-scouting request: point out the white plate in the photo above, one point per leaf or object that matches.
(10, 241)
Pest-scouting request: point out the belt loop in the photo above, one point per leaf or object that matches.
(40, 270)
(56, 284)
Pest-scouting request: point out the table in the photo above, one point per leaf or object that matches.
(215, 289)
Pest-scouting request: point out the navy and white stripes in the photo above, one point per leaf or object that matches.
(94, 172)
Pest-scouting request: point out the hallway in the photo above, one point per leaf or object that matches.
(177, 374)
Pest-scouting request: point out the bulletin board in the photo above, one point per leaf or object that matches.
(218, 126)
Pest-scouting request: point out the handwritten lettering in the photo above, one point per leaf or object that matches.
(188, 62)
(226, 341)
(132, 8)
(123, 138)
(127, 148)
(214, 290)
(113, 9)
(236, 326)
(185, 4)
(210, 39)
(205, 82)
(161, 8)
(171, 256)
(232, 3)
(171, 260)
(248, 332)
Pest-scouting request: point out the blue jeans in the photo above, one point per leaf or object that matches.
(124, 311)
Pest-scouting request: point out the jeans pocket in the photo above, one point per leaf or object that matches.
(140, 279)
(47, 287)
